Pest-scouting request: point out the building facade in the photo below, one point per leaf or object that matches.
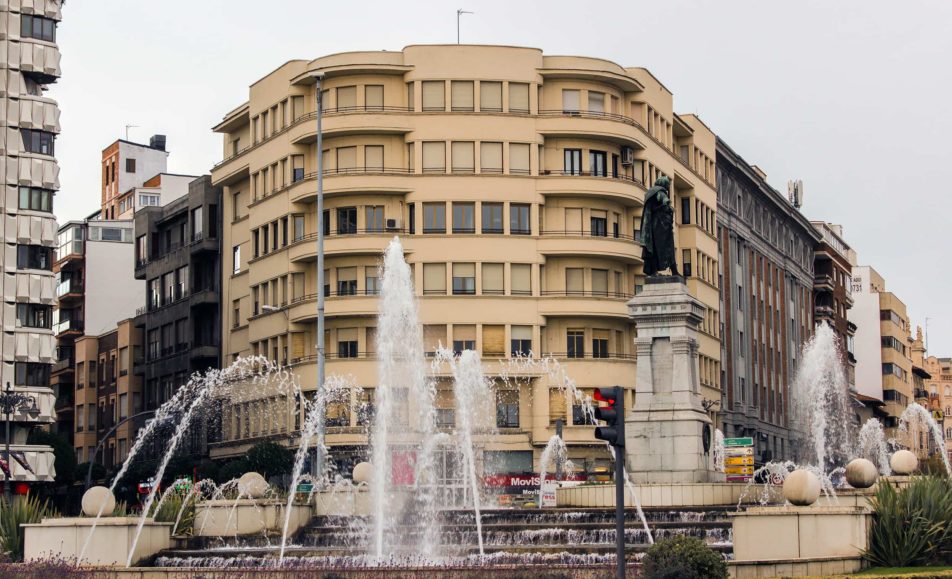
(940, 394)
(30, 119)
(126, 166)
(833, 291)
(882, 346)
(766, 257)
(178, 257)
(515, 181)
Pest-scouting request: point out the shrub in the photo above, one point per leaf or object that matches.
(231, 470)
(270, 459)
(912, 526)
(683, 558)
(99, 472)
(23, 510)
(169, 511)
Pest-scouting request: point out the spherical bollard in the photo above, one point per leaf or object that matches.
(98, 500)
(861, 473)
(252, 485)
(801, 488)
(904, 462)
(363, 473)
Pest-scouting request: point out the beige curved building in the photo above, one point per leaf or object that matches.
(515, 181)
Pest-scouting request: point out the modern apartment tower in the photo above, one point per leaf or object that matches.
(515, 181)
(766, 256)
(30, 63)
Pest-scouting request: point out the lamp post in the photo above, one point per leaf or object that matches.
(11, 402)
(319, 448)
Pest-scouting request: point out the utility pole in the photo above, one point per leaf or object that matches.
(460, 12)
(319, 447)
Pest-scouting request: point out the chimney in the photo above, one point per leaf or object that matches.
(157, 142)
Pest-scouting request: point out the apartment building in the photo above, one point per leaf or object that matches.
(882, 346)
(515, 181)
(127, 166)
(766, 256)
(177, 255)
(832, 291)
(30, 119)
(939, 388)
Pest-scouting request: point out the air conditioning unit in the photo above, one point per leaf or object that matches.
(627, 156)
(394, 224)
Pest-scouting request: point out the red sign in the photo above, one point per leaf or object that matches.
(522, 484)
(402, 466)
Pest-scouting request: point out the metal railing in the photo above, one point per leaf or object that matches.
(583, 233)
(586, 294)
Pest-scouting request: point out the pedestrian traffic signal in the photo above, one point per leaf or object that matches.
(613, 415)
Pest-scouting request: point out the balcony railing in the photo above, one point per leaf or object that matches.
(582, 233)
(68, 286)
(68, 326)
(586, 294)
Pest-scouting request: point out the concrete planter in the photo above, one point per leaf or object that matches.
(64, 539)
(796, 533)
(228, 518)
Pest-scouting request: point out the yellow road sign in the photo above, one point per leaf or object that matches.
(744, 470)
(739, 461)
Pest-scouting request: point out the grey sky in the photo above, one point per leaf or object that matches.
(852, 96)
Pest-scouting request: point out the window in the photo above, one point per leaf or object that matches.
(346, 98)
(235, 314)
(519, 219)
(596, 102)
(463, 161)
(142, 249)
(36, 199)
(596, 162)
(34, 257)
(490, 157)
(31, 374)
(461, 92)
(373, 158)
(39, 142)
(519, 158)
(236, 258)
(490, 96)
(492, 281)
(130, 165)
(297, 168)
(346, 281)
(600, 343)
(181, 282)
(197, 223)
(148, 200)
(600, 282)
(464, 338)
(464, 215)
(347, 343)
(686, 210)
(373, 97)
(494, 340)
(464, 279)
(34, 316)
(411, 94)
(434, 95)
(492, 218)
(575, 344)
(434, 218)
(371, 285)
(599, 223)
(572, 162)
(155, 292)
(518, 97)
(346, 159)
(686, 262)
(581, 413)
(298, 224)
(434, 278)
(346, 220)
(373, 215)
(507, 411)
(37, 27)
(434, 157)
(573, 281)
(520, 341)
(168, 283)
(411, 218)
(570, 101)
(520, 279)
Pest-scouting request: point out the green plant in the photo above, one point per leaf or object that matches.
(24, 510)
(99, 472)
(168, 511)
(270, 459)
(683, 558)
(912, 526)
(232, 469)
(121, 510)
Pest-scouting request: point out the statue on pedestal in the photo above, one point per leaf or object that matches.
(657, 230)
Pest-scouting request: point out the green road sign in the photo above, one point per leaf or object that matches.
(744, 441)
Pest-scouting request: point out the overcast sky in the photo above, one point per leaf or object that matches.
(851, 96)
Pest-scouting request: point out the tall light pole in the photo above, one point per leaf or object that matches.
(319, 447)
(11, 402)
(460, 12)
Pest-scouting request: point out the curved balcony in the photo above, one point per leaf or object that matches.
(304, 308)
(358, 242)
(609, 127)
(562, 303)
(347, 121)
(395, 180)
(585, 244)
(40, 59)
(625, 190)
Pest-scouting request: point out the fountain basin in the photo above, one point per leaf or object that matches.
(670, 495)
(64, 539)
(787, 533)
(229, 518)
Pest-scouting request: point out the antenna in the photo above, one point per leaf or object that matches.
(460, 12)
(795, 193)
(130, 127)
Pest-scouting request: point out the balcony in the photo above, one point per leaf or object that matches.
(823, 282)
(200, 243)
(586, 243)
(38, 464)
(68, 327)
(625, 190)
(563, 303)
(304, 308)
(68, 290)
(395, 180)
(356, 242)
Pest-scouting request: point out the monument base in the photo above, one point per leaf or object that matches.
(667, 446)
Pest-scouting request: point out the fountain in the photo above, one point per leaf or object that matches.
(556, 452)
(718, 450)
(919, 419)
(871, 444)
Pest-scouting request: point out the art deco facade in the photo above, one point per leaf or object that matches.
(29, 63)
(515, 181)
(766, 256)
(939, 389)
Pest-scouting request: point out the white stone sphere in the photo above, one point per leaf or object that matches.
(801, 488)
(861, 473)
(363, 472)
(904, 462)
(252, 485)
(98, 499)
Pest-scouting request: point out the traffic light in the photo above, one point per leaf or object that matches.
(613, 415)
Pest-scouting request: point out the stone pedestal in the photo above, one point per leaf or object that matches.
(668, 434)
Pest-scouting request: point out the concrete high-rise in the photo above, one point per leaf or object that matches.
(516, 182)
(30, 63)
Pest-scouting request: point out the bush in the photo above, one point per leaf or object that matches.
(231, 470)
(24, 510)
(683, 558)
(270, 459)
(912, 526)
(99, 472)
(170, 508)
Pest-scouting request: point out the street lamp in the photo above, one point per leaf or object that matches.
(320, 458)
(10, 403)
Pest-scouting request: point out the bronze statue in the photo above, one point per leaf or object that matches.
(657, 230)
